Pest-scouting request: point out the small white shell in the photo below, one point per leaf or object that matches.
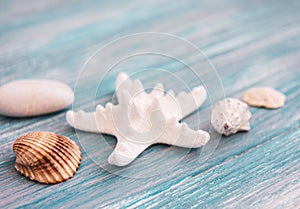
(264, 97)
(230, 116)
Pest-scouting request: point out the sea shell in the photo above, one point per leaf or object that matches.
(264, 97)
(46, 157)
(141, 119)
(230, 116)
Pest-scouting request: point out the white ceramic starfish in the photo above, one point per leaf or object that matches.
(141, 119)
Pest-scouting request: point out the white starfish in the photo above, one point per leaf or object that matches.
(141, 119)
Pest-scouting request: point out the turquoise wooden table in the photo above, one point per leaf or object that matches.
(250, 43)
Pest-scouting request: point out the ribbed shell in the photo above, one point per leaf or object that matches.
(46, 157)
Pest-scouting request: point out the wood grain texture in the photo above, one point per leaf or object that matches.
(250, 43)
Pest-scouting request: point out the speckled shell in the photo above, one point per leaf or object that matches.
(230, 116)
(46, 157)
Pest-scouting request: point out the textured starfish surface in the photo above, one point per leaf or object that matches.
(141, 119)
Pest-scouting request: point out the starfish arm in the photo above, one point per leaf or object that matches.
(189, 102)
(82, 121)
(158, 90)
(179, 134)
(121, 78)
(124, 82)
(125, 152)
(97, 122)
(104, 119)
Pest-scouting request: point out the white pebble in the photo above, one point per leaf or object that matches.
(230, 116)
(26, 98)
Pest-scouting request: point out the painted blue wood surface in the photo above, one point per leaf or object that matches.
(250, 43)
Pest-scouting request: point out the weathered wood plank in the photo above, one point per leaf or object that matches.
(250, 43)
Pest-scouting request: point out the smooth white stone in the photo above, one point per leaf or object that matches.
(26, 98)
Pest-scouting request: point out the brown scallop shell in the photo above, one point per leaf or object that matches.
(46, 157)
